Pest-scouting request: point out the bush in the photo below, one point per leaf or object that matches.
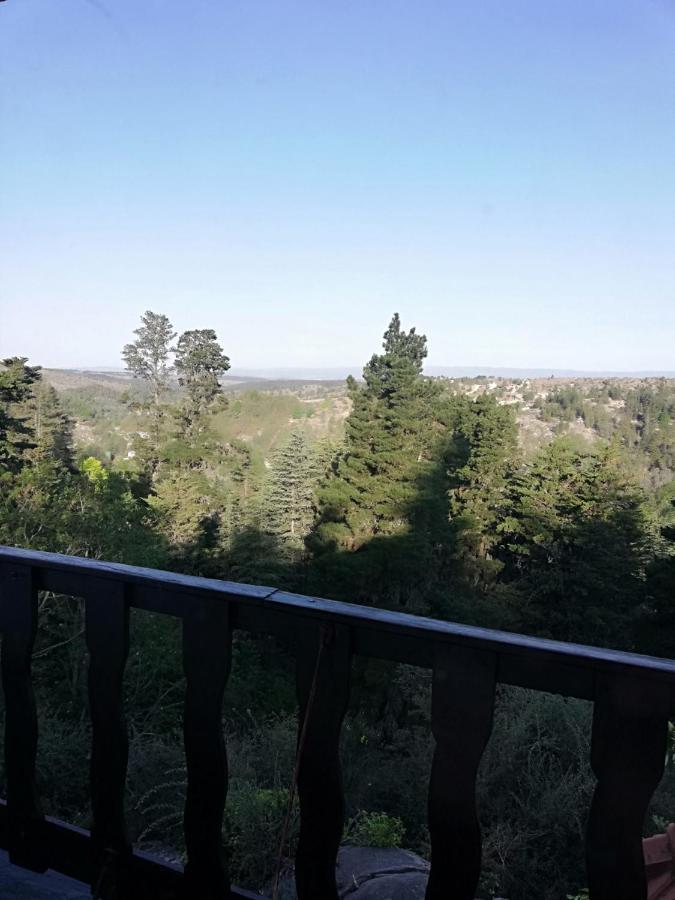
(374, 829)
(254, 821)
(534, 793)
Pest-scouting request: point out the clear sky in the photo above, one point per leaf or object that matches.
(291, 173)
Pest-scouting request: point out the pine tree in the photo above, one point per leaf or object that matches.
(482, 459)
(16, 435)
(382, 531)
(576, 544)
(657, 629)
(52, 428)
(288, 502)
(391, 438)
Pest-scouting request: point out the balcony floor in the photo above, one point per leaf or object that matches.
(20, 884)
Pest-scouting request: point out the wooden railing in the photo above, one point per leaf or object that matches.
(633, 696)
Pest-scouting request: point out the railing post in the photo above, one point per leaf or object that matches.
(323, 677)
(107, 632)
(207, 640)
(461, 720)
(19, 623)
(630, 723)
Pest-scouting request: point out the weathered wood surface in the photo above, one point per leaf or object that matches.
(107, 634)
(323, 676)
(207, 639)
(19, 625)
(630, 724)
(462, 705)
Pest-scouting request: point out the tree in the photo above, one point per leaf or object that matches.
(52, 428)
(200, 363)
(187, 514)
(482, 459)
(402, 360)
(288, 503)
(382, 531)
(576, 544)
(16, 435)
(657, 632)
(148, 356)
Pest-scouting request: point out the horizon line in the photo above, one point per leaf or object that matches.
(460, 371)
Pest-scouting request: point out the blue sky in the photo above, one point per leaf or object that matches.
(291, 173)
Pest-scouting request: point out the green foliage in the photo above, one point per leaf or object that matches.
(564, 403)
(148, 356)
(576, 543)
(94, 472)
(381, 515)
(253, 828)
(200, 363)
(483, 458)
(51, 427)
(287, 505)
(16, 436)
(534, 791)
(428, 505)
(374, 829)
(187, 512)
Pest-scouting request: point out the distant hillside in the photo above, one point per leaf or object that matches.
(261, 412)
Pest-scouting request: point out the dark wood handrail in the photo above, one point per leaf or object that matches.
(634, 696)
(524, 661)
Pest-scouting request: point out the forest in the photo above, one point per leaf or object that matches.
(542, 506)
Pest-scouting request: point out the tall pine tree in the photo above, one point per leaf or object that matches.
(288, 503)
(382, 531)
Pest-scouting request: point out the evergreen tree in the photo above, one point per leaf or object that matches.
(382, 532)
(16, 435)
(52, 428)
(576, 542)
(482, 459)
(391, 437)
(187, 511)
(657, 632)
(288, 501)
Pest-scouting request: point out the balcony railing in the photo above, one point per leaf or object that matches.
(633, 699)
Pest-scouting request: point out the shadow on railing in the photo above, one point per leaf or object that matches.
(633, 698)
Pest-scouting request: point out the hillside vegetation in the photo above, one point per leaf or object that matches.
(545, 506)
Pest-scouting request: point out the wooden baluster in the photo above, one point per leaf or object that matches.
(207, 651)
(107, 633)
(630, 723)
(25, 820)
(323, 674)
(461, 721)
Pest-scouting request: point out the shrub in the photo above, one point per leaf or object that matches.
(374, 829)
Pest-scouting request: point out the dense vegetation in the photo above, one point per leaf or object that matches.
(429, 498)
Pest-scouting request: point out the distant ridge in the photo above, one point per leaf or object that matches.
(335, 373)
(339, 373)
(503, 372)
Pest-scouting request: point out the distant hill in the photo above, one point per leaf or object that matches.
(309, 374)
(339, 373)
